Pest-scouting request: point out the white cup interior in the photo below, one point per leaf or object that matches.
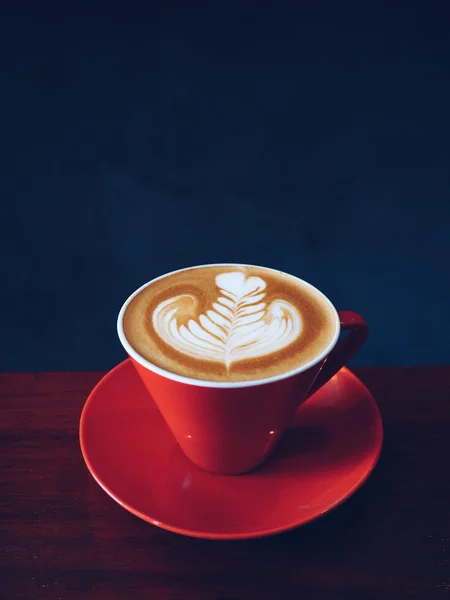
(224, 384)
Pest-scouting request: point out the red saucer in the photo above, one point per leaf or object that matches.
(323, 458)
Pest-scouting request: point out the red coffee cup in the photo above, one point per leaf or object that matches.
(232, 427)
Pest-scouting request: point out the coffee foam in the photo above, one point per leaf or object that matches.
(229, 323)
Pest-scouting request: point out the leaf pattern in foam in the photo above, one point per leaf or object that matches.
(238, 326)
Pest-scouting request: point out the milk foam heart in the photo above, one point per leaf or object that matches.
(239, 325)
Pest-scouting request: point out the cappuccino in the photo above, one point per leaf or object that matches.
(229, 323)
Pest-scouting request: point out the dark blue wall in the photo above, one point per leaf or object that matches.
(314, 139)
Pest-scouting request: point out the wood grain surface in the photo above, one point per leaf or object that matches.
(62, 537)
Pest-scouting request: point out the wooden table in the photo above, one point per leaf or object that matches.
(62, 537)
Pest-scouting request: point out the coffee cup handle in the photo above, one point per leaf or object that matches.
(344, 350)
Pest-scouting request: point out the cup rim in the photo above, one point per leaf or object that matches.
(224, 384)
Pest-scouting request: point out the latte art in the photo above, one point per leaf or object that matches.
(238, 326)
(228, 323)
